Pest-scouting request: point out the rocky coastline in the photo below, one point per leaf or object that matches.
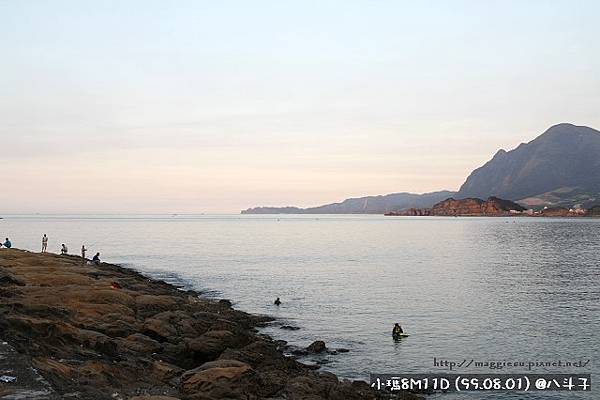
(451, 207)
(492, 207)
(72, 330)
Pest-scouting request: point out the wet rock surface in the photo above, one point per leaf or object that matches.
(72, 335)
(289, 328)
(318, 346)
(20, 379)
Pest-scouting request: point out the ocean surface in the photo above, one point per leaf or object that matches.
(473, 289)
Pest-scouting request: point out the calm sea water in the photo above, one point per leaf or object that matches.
(483, 289)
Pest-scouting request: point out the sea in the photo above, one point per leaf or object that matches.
(480, 292)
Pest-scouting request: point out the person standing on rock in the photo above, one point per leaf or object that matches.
(44, 243)
(83, 250)
(63, 249)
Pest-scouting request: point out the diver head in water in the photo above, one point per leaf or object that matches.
(277, 301)
(397, 329)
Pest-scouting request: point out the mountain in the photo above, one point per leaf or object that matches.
(561, 166)
(363, 205)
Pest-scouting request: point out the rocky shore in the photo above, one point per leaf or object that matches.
(74, 331)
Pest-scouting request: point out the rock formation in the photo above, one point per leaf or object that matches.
(493, 206)
(144, 340)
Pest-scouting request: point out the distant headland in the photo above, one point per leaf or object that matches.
(493, 207)
(559, 170)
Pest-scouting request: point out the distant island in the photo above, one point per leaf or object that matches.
(560, 170)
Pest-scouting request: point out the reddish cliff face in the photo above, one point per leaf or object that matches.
(466, 207)
(453, 207)
(471, 206)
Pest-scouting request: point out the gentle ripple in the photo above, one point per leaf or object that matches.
(477, 288)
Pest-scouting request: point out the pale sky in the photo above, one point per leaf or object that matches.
(216, 106)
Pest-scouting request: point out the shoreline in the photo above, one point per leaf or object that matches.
(111, 332)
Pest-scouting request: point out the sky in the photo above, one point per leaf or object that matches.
(214, 107)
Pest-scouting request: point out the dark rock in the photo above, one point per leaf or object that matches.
(225, 303)
(317, 346)
(210, 345)
(7, 278)
(165, 371)
(158, 329)
(140, 343)
(289, 328)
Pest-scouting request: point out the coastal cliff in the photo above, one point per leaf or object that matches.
(493, 206)
(105, 332)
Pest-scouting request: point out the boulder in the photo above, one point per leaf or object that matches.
(222, 379)
(165, 371)
(211, 344)
(7, 278)
(317, 346)
(289, 328)
(260, 354)
(178, 354)
(140, 343)
(158, 329)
